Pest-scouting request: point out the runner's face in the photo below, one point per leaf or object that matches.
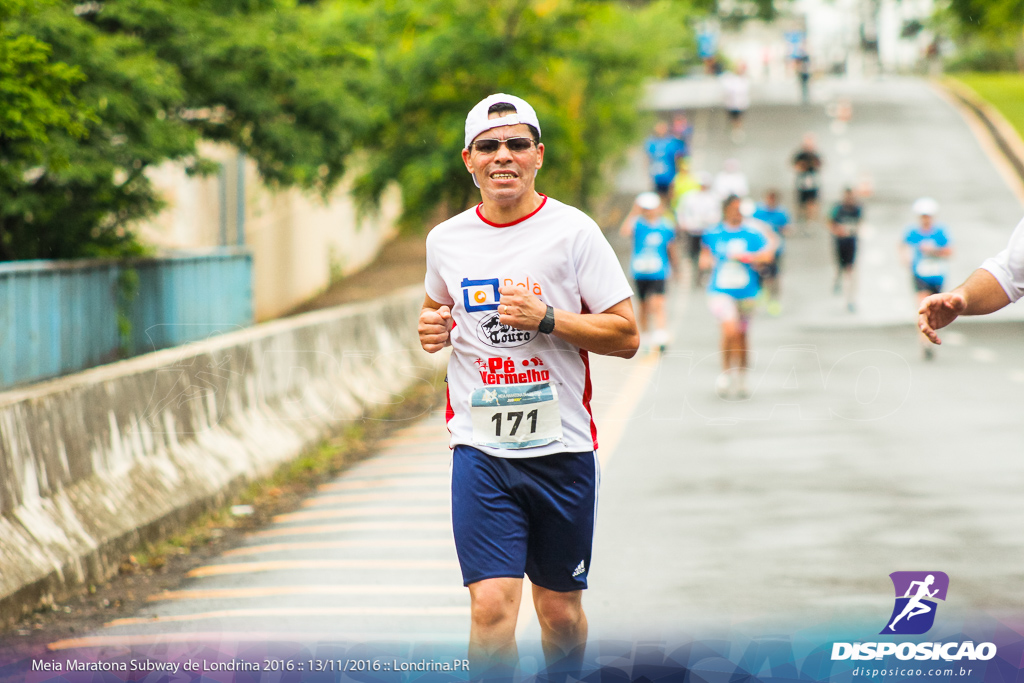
(651, 215)
(732, 213)
(505, 175)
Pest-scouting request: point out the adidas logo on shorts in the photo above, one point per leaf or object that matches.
(579, 569)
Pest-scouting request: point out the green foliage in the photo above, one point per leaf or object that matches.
(109, 90)
(581, 65)
(94, 94)
(981, 55)
(83, 207)
(990, 17)
(990, 32)
(262, 75)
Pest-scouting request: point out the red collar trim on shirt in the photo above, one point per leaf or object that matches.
(543, 201)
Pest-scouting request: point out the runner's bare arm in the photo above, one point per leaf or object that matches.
(629, 222)
(766, 253)
(435, 326)
(612, 332)
(705, 261)
(674, 259)
(980, 294)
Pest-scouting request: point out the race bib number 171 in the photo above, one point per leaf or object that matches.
(515, 415)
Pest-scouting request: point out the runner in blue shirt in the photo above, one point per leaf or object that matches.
(732, 250)
(776, 217)
(926, 250)
(664, 151)
(654, 260)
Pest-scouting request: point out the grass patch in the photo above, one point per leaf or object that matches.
(1004, 91)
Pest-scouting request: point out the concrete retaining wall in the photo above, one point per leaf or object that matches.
(93, 463)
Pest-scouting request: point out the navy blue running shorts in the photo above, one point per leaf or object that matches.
(533, 516)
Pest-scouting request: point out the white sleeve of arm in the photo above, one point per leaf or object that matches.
(1007, 267)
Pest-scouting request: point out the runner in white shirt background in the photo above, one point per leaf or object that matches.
(736, 97)
(998, 282)
(698, 211)
(731, 180)
(522, 287)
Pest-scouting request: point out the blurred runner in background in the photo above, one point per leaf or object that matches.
(807, 164)
(682, 129)
(731, 180)
(731, 250)
(771, 213)
(736, 97)
(802, 64)
(697, 212)
(654, 260)
(926, 250)
(844, 224)
(664, 153)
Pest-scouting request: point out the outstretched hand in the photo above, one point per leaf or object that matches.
(937, 311)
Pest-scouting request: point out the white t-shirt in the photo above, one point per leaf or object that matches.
(557, 253)
(1008, 265)
(735, 92)
(730, 182)
(699, 211)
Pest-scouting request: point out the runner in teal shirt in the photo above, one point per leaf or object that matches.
(732, 250)
(652, 263)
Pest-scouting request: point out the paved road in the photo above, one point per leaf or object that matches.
(853, 458)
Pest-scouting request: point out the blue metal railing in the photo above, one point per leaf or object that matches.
(58, 317)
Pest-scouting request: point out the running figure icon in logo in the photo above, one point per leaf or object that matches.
(915, 589)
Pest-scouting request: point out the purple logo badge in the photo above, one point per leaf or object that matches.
(916, 593)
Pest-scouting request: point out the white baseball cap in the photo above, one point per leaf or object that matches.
(648, 201)
(926, 206)
(477, 121)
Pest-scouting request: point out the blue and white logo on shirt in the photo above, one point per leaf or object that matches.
(480, 295)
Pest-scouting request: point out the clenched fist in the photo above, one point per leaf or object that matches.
(435, 328)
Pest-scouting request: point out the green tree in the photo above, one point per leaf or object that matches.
(989, 31)
(581, 64)
(143, 81)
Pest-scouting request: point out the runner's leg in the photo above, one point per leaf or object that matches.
(563, 625)
(494, 607)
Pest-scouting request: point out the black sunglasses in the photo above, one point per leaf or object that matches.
(490, 146)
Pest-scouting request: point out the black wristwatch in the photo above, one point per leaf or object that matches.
(547, 325)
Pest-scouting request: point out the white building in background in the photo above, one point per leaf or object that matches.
(837, 29)
(903, 38)
(841, 37)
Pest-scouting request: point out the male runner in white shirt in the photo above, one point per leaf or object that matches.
(522, 287)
